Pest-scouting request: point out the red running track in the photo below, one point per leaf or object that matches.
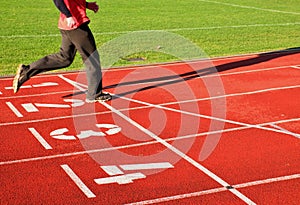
(224, 131)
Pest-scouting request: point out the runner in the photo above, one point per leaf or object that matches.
(76, 35)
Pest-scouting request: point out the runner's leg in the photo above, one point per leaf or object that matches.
(62, 59)
(84, 42)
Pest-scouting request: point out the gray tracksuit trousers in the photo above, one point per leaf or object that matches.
(81, 40)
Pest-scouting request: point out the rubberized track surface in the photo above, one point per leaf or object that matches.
(168, 136)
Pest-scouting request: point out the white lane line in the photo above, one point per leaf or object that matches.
(14, 109)
(280, 121)
(257, 91)
(178, 197)
(112, 148)
(197, 74)
(76, 84)
(250, 7)
(286, 131)
(161, 106)
(200, 115)
(56, 118)
(78, 181)
(79, 86)
(267, 181)
(73, 83)
(248, 71)
(179, 153)
(36, 95)
(297, 67)
(216, 190)
(146, 106)
(41, 140)
(236, 94)
(205, 116)
(212, 76)
(71, 154)
(136, 145)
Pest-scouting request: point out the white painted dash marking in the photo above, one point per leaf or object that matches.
(78, 181)
(46, 84)
(52, 105)
(23, 87)
(14, 109)
(123, 179)
(29, 107)
(41, 140)
(162, 165)
(112, 170)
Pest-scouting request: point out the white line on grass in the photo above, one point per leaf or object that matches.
(251, 7)
(170, 30)
(216, 190)
(78, 181)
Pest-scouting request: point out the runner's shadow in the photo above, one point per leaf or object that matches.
(168, 80)
(204, 72)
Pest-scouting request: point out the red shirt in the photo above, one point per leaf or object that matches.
(78, 10)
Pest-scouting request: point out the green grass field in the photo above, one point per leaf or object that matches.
(221, 27)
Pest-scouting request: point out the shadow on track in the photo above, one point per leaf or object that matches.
(168, 80)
